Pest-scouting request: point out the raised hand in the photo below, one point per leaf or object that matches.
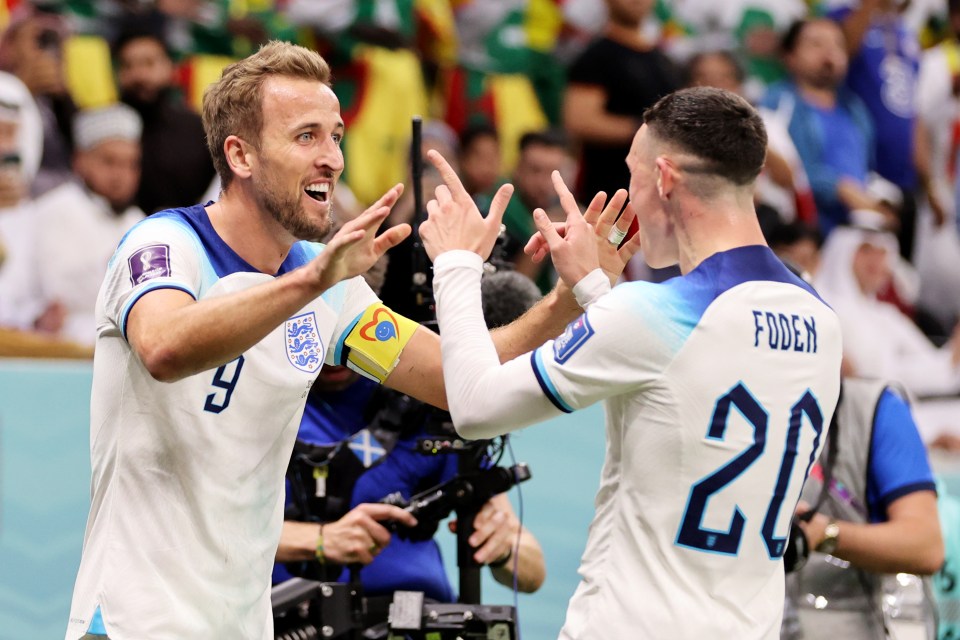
(453, 220)
(356, 247)
(602, 215)
(575, 252)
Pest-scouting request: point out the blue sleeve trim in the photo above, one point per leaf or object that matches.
(546, 385)
(338, 351)
(896, 494)
(159, 285)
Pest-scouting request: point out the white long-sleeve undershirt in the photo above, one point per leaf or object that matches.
(487, 398)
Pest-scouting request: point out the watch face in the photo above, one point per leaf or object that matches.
(829, 542)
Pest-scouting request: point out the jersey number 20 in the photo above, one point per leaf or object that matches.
(692, 534)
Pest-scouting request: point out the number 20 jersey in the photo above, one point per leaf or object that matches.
(719, 389)
(187, 487)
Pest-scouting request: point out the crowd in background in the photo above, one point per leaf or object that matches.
(99, 127)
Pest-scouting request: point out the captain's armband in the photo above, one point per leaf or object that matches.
(373, 345)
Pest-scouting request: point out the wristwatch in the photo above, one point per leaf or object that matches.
(831, 536)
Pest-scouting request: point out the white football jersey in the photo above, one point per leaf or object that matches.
(187, 487)
(719, 389)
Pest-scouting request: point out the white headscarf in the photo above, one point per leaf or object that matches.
(879, 340)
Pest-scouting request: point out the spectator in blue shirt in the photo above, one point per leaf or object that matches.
(829, 125)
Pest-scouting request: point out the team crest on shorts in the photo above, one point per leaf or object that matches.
(573, 337)
(304, 348)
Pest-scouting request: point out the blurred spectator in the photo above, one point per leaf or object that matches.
(541, 153)
(878, 340)
(493, 79)
(829, 125)
(872, 504)
(32, 50)
(750, 28)
(783, 186)
(177, 168)
(798, 245)
(937, 254)
(20, 302)
(479, 158)
(618, 76)
(83, 223)
(884, 59)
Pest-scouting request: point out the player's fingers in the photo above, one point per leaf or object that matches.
(595, 208)
(608, 218)
(391, 238)
(389, 198)
(630, 247)
(369, 219)
(499, 205)
(443, 194)
(343, 241)
(449, 176)
(537, 245)
(546, 228)
(567, 201)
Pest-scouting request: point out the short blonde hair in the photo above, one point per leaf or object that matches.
(234, 104)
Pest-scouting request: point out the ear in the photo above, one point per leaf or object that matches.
(238, 156)
(666, 177)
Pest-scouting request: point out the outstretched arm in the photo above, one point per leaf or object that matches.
(176, 336)
(908, 542)
(356, 537)
(419, 371)
(486, 397)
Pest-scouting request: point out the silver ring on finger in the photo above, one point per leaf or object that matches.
(616, 236)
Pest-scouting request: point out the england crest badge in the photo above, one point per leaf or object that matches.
(304, 348)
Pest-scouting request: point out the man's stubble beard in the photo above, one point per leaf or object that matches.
(289, 212)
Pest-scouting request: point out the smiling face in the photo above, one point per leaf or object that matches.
(299, 160)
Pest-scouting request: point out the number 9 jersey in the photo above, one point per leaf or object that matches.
(187, 489)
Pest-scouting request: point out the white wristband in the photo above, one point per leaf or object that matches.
(591, 288)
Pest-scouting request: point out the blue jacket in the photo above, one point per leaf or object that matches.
(805, 126)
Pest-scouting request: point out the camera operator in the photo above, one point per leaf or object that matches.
(362, 470)
(877, 516)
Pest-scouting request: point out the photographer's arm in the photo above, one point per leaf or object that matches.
(356, 537)
(909, 541)
(495, 537)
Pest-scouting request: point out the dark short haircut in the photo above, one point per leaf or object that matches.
(717, 126)
(788, 43)
(953, 6)
(136, 26)
(546, 138)
(233, 105)
(476, 131)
